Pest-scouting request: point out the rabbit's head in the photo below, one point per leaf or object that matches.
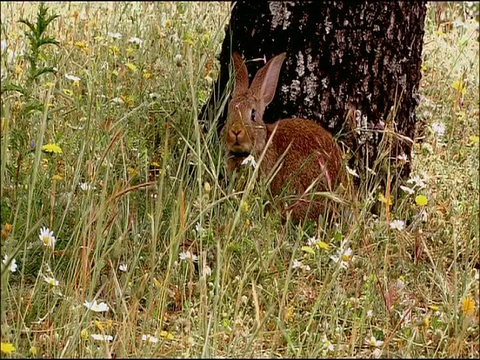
(245, 132)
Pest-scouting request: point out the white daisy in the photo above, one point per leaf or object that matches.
(135, 40)
(51, 281)
(47, 238)
(13, 263)
(72, 77)
(249, 160)
(96, 307)
(149, 339)
(397, 224)
(343, 257)
(102, 337)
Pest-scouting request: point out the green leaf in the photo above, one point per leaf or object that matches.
(12, 87)
(308, 250)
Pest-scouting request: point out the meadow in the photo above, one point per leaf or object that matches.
(121, 239)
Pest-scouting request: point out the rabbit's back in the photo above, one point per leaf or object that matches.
(308, 152)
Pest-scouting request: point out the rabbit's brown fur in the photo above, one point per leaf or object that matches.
(309, 153)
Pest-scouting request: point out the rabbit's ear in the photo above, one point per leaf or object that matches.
(241, 74)
(266, 79)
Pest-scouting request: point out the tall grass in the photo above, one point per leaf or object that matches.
(133, 189)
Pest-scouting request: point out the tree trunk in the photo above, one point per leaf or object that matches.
(345, 61)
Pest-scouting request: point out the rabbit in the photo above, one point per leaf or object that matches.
(297, 152)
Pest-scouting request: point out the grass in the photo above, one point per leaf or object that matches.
(177, 255)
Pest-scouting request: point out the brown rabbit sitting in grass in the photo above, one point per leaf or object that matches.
(297, 152)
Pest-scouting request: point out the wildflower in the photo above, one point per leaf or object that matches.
(327, 344)
(123, 267)
(116, 35)
(146, 75)
(397, 224)
(72, 77)
(417, 181)
(343, 257)
(468, 306)
(114, 50)
(6, 230)
(135, 40)
(57, 177)
(68, 92)
(408, 190)
(298, 265)
(313, 241)
(166, 334)
(438, 129)
(80, 44)
(377, 353)
(52, 148)
(249, 160)
(421, 200)
(47, 238)
(84, 334)
(131, 66)
(7, 348)
(207, 271)
(373, 342)
(149, 339)
(402, 157)
(102, 337)
(352, 172)
(96, 307)
(400, 283)
(188, 255)
(86, 186)
(117, 100)
(13, 263)
(178, 60)
(51, 281)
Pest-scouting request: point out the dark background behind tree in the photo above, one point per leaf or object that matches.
(347, 65)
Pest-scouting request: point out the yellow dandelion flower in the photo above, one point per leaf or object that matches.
(6, 230)
(80, 44)
(131, 66)
(468, 306)
(473, 139)
(84, 334)
(459, 86)
(52, 148)
(146, 75)
(128, 100)
(34, 351)
(166, 334)
(114, 50)
(421, 200)
(7, 348)
(244, 206)
(168, 24)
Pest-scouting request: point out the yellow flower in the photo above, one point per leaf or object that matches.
(7, 348)
(52, 148)
(244, 206)
(6, 230)
(34, 351)
(128, 100)
(166, 334)
(421, 200)
(68, 92)
(114, 50)
(18, 70)
(57, 177)
(468, 306)
(131, 66)
(473, 139)
(459, 86)
(146, 75)
(84, 334)
(80, 44)
(168, 24)
(130, 50)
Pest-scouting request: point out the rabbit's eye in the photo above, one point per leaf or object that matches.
(253, 115)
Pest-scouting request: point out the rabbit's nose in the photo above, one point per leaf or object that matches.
(237, 134)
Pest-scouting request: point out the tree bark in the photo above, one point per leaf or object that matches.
(345, 61)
